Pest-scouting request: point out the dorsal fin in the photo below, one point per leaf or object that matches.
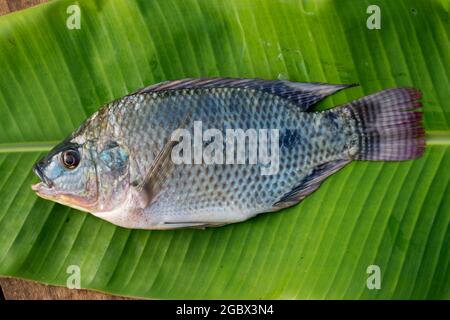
(302, 94)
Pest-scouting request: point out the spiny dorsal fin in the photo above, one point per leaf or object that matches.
(310, 183)
(303, 94)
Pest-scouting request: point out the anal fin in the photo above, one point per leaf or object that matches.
(310, 183)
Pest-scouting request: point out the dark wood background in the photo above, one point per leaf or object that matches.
(7, 6)
(17, 289)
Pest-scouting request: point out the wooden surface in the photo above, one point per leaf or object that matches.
(7, 6)
(17, 289)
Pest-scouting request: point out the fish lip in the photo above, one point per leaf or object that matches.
(36, 187)
(38, 171)
(43, 191)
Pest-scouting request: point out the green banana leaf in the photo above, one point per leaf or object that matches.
(391, 215)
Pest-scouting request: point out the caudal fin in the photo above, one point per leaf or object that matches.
(388, 124)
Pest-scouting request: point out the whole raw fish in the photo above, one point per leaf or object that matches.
(212, 151)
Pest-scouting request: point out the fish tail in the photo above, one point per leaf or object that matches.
(388, 125)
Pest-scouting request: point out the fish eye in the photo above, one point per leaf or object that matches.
(70, 158)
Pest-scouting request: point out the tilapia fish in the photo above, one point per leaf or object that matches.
(213, 151)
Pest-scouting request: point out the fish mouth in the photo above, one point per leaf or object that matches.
(45, 183)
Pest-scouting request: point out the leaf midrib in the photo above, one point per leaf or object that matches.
(433, 137)
(35, 146)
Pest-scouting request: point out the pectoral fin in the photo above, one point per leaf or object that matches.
(160, 169)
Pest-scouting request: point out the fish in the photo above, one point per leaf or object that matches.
(207, 152)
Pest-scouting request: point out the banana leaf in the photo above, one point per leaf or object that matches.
(391, 215)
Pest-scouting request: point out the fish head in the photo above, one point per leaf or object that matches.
(68, 176)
